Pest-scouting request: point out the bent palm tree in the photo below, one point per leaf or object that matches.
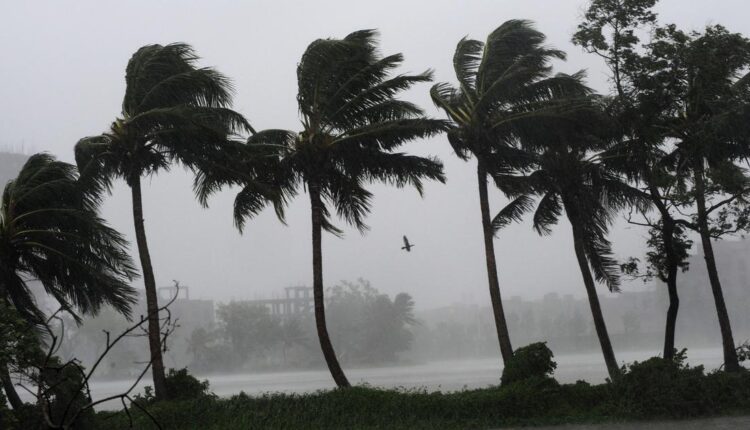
(173, 111)
(503, 81)
(50, 232)
(352, 125)
(569, 176)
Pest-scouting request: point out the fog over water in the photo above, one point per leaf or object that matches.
(435, 376)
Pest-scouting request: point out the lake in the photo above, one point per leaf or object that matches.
(437, 375)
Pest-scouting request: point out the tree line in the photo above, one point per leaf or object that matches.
(667, 145)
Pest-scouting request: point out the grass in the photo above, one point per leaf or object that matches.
(651, 391)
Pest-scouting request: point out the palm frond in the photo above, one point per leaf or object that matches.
(466, 62)
(512, 212)
(55, 236)
(547, 213)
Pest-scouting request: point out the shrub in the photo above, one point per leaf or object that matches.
(181, 385)
(531, 361)
(662, 388)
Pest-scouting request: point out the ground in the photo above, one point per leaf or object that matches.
(725, 423)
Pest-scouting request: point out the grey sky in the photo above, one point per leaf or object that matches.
(63, 78)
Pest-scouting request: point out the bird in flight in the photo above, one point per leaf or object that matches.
(407, 246)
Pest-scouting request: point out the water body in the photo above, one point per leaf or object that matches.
(434, 376)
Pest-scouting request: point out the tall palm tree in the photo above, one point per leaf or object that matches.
(570, 176)
(505, 80)
(352, 126)
(173, 111)
(51, 233)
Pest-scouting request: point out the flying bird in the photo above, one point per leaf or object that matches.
(407, 246)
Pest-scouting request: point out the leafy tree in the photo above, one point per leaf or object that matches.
(173, 111)
(291, 334)
(248, 328)
(502, 82)
(352, 126)
(610, 30)
(569, 176)
(369, 326)
(703, 89)
(50, 231)
(19, 348)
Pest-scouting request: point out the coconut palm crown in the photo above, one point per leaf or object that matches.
(172, 112)
(570, 177)
(352, 126)
(502, 83)
(51, 233)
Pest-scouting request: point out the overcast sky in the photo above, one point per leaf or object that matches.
(62, 78)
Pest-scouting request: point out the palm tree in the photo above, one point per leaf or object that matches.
(503, 81)
(51, 233)
(352, 124)
(569, 176)
(173, 111)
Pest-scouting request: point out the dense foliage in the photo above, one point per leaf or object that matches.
(367, 326)
(529, 362)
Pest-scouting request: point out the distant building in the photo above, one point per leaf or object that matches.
(297, 301)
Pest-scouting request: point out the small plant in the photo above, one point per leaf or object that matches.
(531, 361)
(743, 352)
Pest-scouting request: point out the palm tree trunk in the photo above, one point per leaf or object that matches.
(320, 314)
(674, 300)
(731, 362)
(10, 391)
(152, 304)
(503, 336)
(596, 309)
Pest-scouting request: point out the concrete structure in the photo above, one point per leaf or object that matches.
(297, 301)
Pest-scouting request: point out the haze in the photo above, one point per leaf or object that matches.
(63, 74)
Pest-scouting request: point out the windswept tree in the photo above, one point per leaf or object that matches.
(352, 125)
(569, 177)
(704, 84)
(501, 82)
(173, 112)
(51, 233)
(610, 29)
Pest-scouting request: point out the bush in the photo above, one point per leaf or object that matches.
(662, 388)
(531, 361)
(180, 385)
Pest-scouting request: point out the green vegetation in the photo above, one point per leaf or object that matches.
(352, 127)
(370, 327)
(172, 112)
(673, 134)
(529, 362)
(503, 83)
(656, 388)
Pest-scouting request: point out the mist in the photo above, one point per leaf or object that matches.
(63, 78)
